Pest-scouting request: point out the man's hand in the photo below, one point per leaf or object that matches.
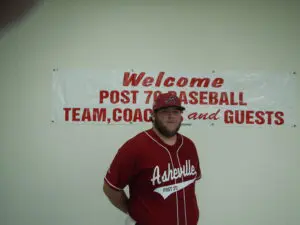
(118, 198)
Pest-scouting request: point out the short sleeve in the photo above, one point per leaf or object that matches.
(122, 168)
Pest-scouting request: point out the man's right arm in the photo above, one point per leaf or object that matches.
(117, 197)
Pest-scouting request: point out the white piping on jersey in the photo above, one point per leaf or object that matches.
(172, 167)
(196, 178)
(183, 191)
(112, 184)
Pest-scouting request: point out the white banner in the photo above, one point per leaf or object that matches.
(125, 97)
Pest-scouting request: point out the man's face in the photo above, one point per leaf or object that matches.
(167, 121)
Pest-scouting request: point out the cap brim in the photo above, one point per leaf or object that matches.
(181, 108)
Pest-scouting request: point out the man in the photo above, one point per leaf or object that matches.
(161, 167)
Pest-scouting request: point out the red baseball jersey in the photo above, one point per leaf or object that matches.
(161, 179)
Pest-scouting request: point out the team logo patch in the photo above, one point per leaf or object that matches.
(166, 191)
(170, 174)
(171, 100)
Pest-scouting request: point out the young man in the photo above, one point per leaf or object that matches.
(161, 167)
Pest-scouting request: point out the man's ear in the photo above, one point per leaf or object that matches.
(181, 118)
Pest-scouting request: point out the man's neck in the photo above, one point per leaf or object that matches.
(167, 140)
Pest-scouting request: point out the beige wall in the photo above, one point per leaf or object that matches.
(52, 173)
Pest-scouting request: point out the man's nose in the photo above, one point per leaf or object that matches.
(170, 114)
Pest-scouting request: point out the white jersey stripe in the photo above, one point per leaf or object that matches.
(113, 186)
(184, 202)
(152, 138)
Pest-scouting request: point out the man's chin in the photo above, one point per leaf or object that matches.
(167, 132)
